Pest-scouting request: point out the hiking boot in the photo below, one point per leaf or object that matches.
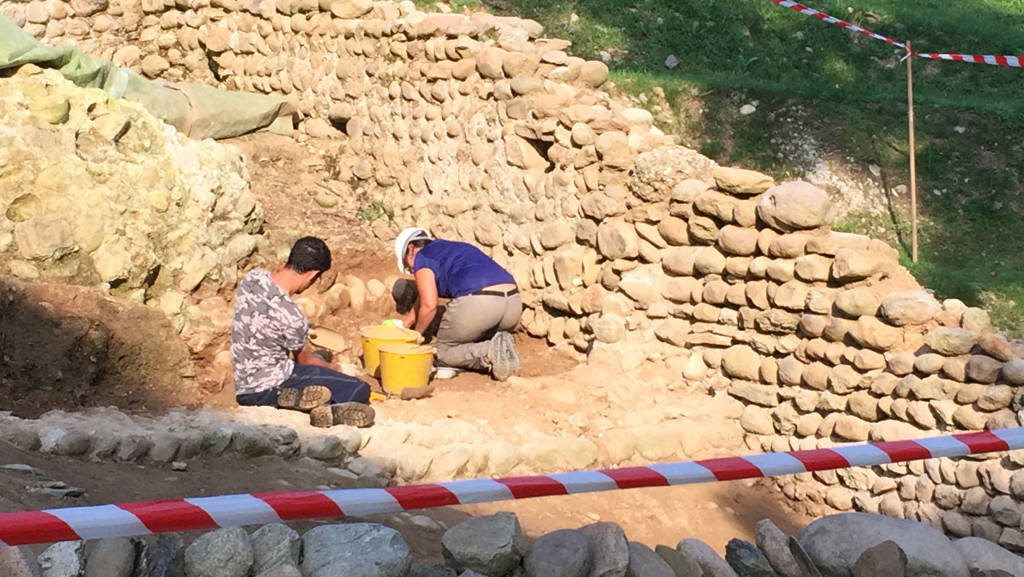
(505, 360)
(351, 414)
(303, 399)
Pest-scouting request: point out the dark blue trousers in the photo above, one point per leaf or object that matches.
(343, 388)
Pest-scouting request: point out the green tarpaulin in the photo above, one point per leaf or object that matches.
(196, 110)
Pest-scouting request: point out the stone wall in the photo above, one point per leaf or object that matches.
(497, 545)
(441, 115)
(633, 250)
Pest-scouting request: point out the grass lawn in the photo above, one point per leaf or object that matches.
(970, 117)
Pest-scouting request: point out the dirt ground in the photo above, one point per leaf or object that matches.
(287, 177)
(554, 396)
(67, 346)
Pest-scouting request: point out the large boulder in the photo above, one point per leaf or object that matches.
(614, 150)
(520, 153)
(951, 342)
(643, 562)
(683, 565)
(658, 172)
(835, 543)
(157, 554)
(66, 558)
(775, 545)
(274, 545)
(852, 264)
(741, 362)
(564, 553)
(883, 560)
(110, 558)
(115, 198)
(609, 328)
(747, 560)
(491, 545)
(347, 8)
(794, 206)
(909, 308)
(710, 562)
(617, 239)
(220, 553)
(1013, 372)
(741, 181)
(610, 550)
(983, 555)
(355, 550)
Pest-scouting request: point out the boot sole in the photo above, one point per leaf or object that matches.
(507, 361)
(305, 399)
(351, 414)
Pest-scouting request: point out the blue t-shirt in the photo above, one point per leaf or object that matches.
(460, 268)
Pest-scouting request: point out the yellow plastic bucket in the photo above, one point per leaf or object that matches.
(405, 366)
(375, 336)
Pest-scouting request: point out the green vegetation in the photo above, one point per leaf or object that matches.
(852, 92)
(372, 212)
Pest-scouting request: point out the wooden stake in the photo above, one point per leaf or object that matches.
(913, 154)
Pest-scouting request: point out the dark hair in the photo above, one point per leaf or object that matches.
(420, 242)
(309, 253)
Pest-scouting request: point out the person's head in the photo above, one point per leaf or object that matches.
(308, 259)
(408, 243)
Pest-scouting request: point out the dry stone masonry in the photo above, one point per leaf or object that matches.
(857, 544)
(632, 250)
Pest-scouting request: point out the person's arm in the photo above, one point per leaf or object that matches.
(305, 356)
(426, 307)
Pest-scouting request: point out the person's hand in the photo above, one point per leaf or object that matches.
(409, 320)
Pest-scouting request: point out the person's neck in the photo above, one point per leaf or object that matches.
(287, 279)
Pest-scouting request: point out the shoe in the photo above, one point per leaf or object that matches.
(324, 355)
(505, 360)
(351, 414)
(304, 399)
(443, 372)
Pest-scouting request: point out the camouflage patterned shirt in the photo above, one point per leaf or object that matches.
(266, 328)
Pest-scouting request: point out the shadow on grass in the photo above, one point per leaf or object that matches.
(755, 44)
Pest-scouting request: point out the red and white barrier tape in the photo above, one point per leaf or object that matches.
(833, 20)
(202, 513)
(995, 60)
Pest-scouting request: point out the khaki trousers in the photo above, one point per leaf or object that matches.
(463, 338)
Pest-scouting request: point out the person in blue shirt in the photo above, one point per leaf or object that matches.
(474, 332)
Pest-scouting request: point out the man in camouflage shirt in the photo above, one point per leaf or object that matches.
(273, 362)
